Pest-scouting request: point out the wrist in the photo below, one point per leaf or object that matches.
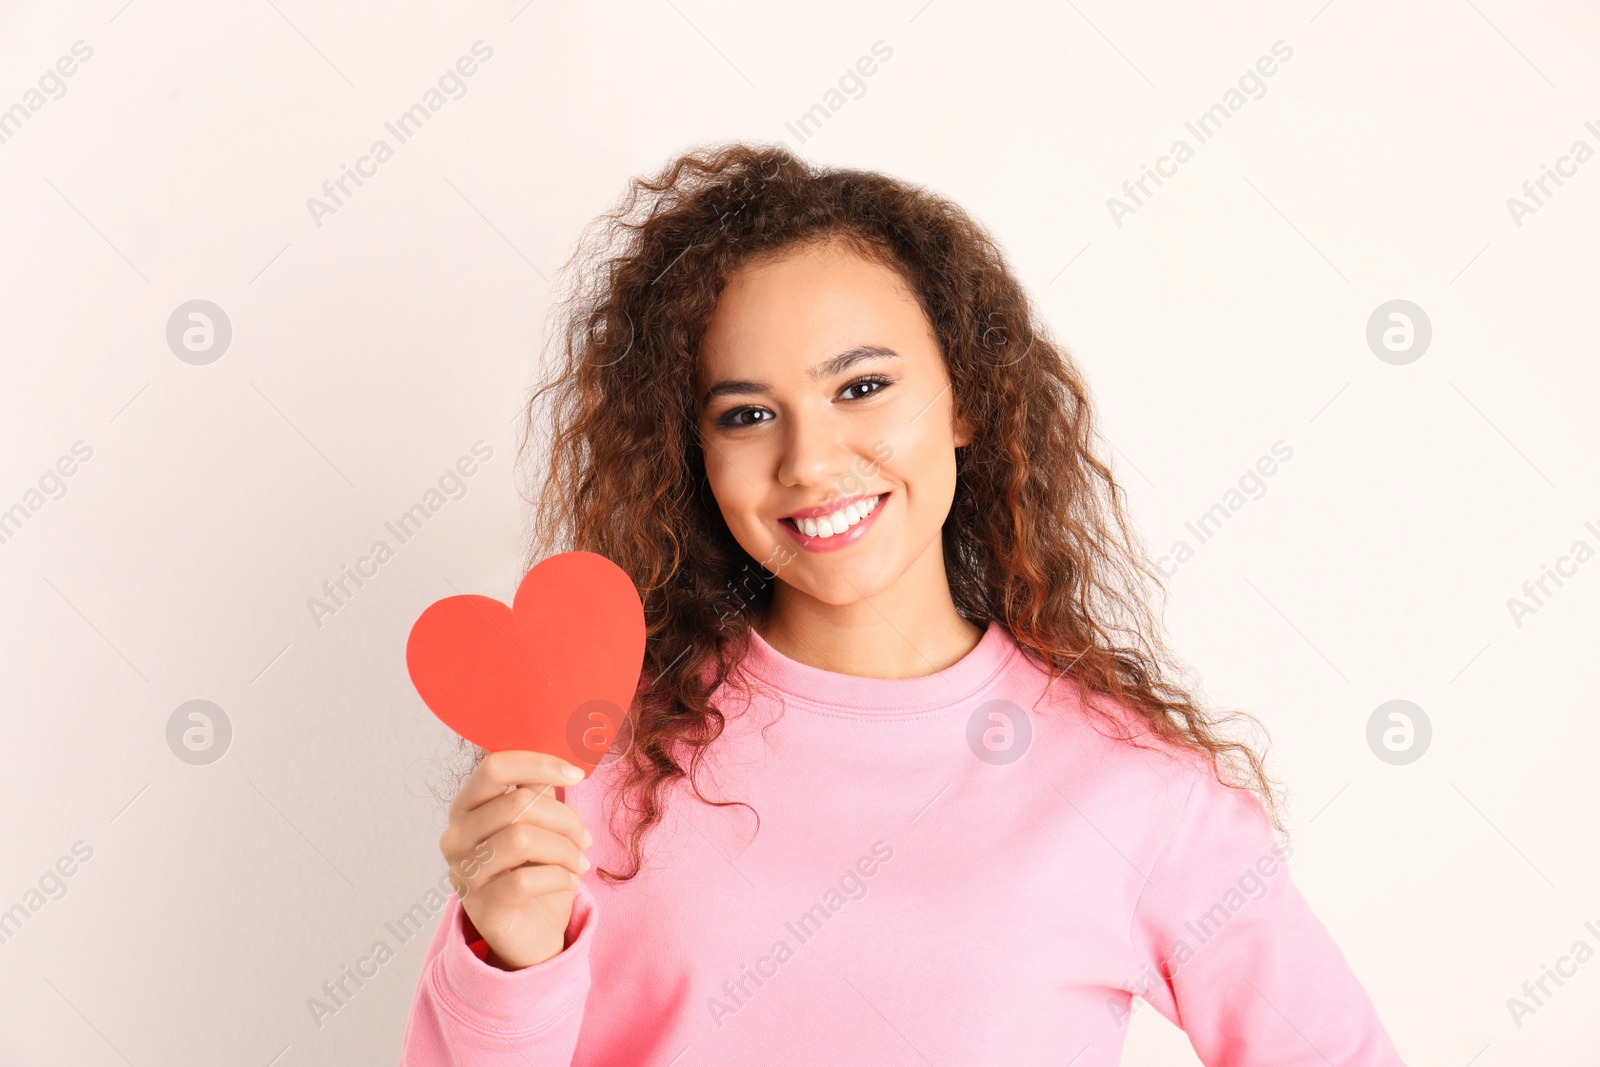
(519, 961)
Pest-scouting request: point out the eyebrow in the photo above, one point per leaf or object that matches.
(828, 368)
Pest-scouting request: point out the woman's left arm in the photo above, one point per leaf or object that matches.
(1246, 970)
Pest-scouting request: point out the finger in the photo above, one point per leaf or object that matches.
(517, 886)
(516, 845)
(522, 804)
(501, 770)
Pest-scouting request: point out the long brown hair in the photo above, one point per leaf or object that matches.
(1036, 538)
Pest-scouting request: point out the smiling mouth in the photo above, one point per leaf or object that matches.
(837, 522)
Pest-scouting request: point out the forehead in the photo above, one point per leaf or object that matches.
(788, 310)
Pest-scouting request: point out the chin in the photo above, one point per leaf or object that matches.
(844, 587)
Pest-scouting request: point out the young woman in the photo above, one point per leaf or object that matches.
(916, 780)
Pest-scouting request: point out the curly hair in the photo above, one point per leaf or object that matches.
(1037, 537)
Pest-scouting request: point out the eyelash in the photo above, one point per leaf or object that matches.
(882, 381)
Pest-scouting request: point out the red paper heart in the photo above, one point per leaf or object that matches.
(555, 672)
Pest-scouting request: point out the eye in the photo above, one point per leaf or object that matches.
(860, 389)
(879, 382)
(732, 418)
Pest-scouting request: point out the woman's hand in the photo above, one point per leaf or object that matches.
(514, 853)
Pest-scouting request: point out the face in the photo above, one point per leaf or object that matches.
(826, 421)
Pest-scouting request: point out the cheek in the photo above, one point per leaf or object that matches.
(920, 457)
(736, 498)
(723, 483)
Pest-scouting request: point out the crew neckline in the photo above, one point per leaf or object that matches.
(882, 696)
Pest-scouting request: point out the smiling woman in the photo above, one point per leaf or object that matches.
(836, 374)
(783, 428)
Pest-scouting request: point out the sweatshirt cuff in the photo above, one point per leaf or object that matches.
(523, 1000)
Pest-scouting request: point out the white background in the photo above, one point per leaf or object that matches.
(369, 353)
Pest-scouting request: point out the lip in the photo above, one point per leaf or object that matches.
(849, 537)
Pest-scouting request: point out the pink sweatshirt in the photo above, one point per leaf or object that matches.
(910, 901)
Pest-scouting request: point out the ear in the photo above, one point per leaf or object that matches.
(964, 431)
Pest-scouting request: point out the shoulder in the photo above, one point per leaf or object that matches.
(1107, 734)
(1108, 755)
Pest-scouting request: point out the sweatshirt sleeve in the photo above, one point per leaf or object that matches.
(468, 1012)
(1236, 957)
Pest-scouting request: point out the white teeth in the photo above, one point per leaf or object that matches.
(839, 521)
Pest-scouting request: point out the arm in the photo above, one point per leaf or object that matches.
(1238, 959)
(467, 1013)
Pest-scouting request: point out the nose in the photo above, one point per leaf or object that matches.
(814, 452)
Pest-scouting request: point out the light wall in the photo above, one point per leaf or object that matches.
(374, 343)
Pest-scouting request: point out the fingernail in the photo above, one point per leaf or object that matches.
(588, 839)
(583, 863)
(571, 773)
